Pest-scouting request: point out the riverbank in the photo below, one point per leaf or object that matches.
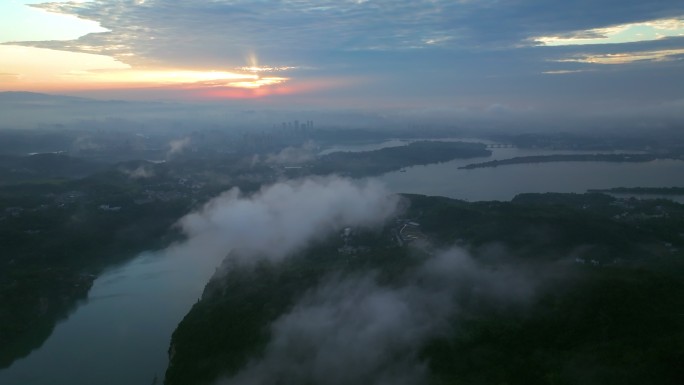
(642, 190)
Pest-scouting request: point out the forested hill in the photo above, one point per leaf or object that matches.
(605, 308)
(359, 164)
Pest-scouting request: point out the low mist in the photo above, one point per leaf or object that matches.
(294, 155)
(354, 330)
(285, 217)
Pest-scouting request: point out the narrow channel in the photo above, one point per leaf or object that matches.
(121, 333)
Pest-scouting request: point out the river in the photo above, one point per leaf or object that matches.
(505, 182)
(121, 333)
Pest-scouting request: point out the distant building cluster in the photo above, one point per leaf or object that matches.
(297, 125)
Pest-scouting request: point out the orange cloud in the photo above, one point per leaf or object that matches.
(38, 69)
(290, 87)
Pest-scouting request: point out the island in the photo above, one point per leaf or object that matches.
(567, 158)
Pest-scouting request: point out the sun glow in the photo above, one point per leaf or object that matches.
(185, 78)
(40, 69)
(258, 83)
(165, 76)
(265, 69)
(52, 70)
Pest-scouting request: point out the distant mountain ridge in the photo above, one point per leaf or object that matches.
(24, 96)
(36, 98)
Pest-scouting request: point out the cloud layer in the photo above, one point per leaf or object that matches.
(285, 217)
(354, 330)
(169, 31)
(394, 54)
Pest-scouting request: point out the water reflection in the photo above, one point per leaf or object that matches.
(504, 182)
(120, 335)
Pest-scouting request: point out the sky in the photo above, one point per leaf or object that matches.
(454, 55)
